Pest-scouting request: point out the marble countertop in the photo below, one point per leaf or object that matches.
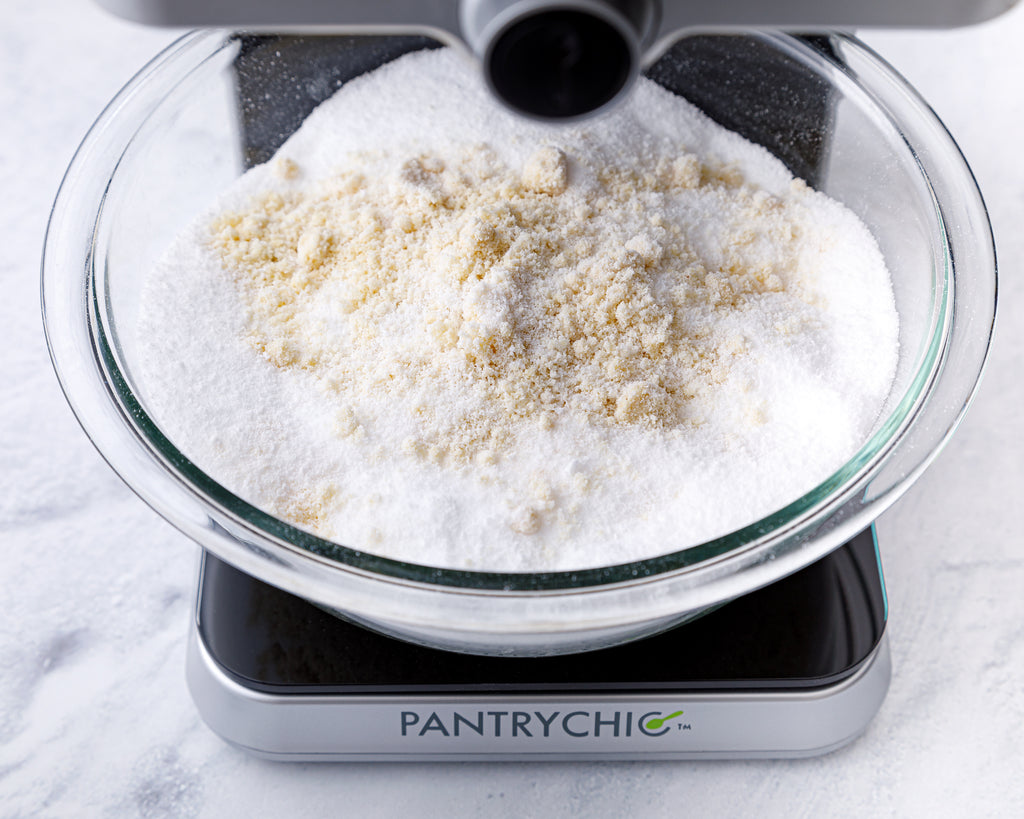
(95, 589)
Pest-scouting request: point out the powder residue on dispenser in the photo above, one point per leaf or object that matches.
(434, 331)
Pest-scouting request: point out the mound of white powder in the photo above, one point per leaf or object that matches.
(434, 331)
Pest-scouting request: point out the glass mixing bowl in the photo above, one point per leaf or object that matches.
(216, 102)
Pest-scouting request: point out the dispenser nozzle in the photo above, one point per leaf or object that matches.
(558, 61)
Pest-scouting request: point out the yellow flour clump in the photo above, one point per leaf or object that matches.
(526, 294)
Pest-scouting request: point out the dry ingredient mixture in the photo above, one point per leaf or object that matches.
(434, 331)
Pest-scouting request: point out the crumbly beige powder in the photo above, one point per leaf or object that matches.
(523, 296)
(446, 335)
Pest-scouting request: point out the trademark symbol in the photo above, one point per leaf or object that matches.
(683, 727)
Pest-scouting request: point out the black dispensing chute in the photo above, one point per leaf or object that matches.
(559, 65)
(559, 61)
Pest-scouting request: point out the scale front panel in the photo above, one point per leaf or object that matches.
(794, 669)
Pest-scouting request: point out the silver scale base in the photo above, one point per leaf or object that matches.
(815, 669)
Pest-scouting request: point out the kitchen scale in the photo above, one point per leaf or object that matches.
(797, 667)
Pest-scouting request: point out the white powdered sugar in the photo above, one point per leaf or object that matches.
(434, 331)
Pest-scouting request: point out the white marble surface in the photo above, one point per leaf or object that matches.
(95, 719)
